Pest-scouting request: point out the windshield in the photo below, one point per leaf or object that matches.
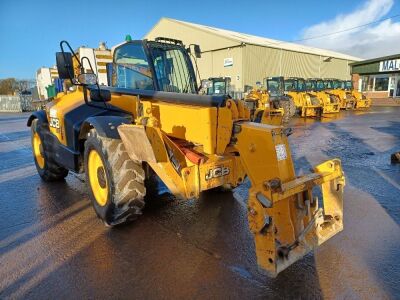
(337, 84)
(348, 85)
(275, 86)
(310, 85)
(320, 85)
(290, 85)
(131, 68)
(217, 88)
(301, 85)
(328, 84)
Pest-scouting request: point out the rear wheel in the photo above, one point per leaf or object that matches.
(286, 111)
(47, 168)
(292, 107)
(116, 182)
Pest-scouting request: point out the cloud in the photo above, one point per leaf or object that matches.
(370, 41)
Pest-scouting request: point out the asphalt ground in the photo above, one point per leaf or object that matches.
(52, 246)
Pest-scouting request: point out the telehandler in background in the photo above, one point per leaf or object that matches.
(257, 101)
(152, 121)
(334, 87)
(307, 104)
(262, 109)
(361, 101)
(217, 86)
(330, 102)
(271, 98)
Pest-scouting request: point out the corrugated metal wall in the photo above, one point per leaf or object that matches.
(211, 64)
(260, 62)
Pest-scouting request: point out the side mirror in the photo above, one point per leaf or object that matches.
(87, 79)
(65, 66)
(99, 95)
(197, 51)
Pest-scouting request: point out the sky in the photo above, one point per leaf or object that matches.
(30, 31)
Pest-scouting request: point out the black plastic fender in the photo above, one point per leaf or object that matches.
(106, 126)
(40, 115)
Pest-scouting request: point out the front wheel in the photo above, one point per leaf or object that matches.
(116, 182)
(47, 168)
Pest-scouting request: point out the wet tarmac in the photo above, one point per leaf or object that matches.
(52, 245)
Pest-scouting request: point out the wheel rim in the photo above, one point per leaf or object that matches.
(97, 178)
(37, 150)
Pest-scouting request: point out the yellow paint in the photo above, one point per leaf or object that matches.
(287, 212)
(192, 123)
(361, 101)
(307, 103)
(328, 106)
(37, 150)
(262, 104)
(98, 185)
(58, 108)
(125, 102)
(346, 99)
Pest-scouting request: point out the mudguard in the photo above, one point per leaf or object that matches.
(40, 115)
(106, 126)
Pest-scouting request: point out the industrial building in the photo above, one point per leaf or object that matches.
(378, 77)
(248, 59)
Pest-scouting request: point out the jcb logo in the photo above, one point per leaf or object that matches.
(217, 172)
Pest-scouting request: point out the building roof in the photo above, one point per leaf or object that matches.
(377, 59)
(266, 42)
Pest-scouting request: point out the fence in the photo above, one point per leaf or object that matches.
(16, 103)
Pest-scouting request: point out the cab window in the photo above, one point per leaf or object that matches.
(131, 68)
(172, 70)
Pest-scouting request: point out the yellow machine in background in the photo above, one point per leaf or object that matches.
(361, 101)
(307, 104)
(330, 102)
(262, 109)
(346, 100)
(268, 104)
(122, 135)
(216, 86)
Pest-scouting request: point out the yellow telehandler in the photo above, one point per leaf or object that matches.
(262, 109)
(269, 104)
(151, 120)
(257, 100)
(307, 104)
(330, 102)
(361, 101)
(334, 87)
(217, 86)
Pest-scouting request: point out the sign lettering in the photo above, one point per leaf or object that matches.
(389, 65)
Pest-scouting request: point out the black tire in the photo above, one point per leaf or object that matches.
(292, 107)
(125, 180)
(51, 171)
(286, 111)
